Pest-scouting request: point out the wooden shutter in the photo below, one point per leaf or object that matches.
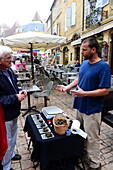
(66, 28)
(73, 22)
(58, 7)
(68, 16)
(53, 14)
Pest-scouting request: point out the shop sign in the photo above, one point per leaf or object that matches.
(104, 54)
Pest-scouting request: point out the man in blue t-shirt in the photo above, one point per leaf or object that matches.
(93, 83)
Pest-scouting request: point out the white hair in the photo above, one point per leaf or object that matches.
(4, 50)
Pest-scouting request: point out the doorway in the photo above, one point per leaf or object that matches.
(111, 53)
(65, 55)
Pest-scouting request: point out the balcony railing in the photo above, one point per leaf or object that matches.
(94, 17)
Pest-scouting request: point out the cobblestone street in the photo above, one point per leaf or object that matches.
(65, 102)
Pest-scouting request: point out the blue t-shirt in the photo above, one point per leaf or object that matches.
(92, 77)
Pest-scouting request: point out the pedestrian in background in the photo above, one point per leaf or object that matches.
(36, 61)
(93, 83)
(10, 98)
(3, 141)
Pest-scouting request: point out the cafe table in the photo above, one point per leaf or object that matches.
(56, 152)
(22, 80)
(58, 71)
(29, 92)
(70, 74)
(71, 78)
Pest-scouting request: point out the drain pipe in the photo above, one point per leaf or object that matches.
(83, 18)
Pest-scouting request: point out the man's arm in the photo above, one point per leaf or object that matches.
(93, 93)
(71, 85)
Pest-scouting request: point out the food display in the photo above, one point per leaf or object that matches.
(48, 134)
(42, 124)
(41, 121)
(45, 129)
(61, 122)
(42, 127)
(37, 116)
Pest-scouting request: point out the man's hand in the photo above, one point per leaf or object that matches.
(22, 95)
(61, 88)
(78, 93)
(23, 92)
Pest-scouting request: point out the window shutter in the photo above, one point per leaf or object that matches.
(58, 29)
(66, 28)
(111, 2)
(53, 14)
(104, 2)
(68, 16)
(87, 8)
(58, 7)
(73, 13)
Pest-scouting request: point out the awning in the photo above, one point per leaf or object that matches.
(76, 42)
(98, 30)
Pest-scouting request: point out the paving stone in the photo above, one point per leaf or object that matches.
(26, 164)
(109, 166)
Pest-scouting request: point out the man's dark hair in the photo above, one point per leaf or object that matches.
(92, 43)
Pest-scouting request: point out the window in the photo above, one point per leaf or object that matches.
(70, 56)
(55, 30)
(105, 2)
(87, 8)
(73, 22)
(36, 28)
(68, 16)
(99, 3)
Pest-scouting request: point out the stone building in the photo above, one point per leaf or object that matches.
(67, 21)
(81, 19)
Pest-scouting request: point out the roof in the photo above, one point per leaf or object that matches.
(32, 27)
(37, 17)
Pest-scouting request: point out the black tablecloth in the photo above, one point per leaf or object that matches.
(57, 148)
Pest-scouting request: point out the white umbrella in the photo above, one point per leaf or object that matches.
(33, 40)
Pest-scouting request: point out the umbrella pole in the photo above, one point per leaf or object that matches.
(32, 66)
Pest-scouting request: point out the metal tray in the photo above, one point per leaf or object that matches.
(41, 130)
(39, 125)
(43, 136)
(37, 122)
(34, 117)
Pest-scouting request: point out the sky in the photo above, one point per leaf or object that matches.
(23, 11)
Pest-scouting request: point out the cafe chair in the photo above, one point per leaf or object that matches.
(45, 93)
(48, 75)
